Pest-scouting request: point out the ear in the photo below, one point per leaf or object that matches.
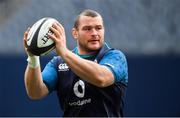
(74, 33)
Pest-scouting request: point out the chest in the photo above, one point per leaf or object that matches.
(70, 84)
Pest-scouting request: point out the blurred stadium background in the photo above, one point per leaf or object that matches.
(147, 31)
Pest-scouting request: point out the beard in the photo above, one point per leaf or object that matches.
(89, 48)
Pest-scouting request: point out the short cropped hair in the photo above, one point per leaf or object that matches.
(87, 12)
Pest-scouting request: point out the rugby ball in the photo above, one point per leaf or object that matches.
(38, 42)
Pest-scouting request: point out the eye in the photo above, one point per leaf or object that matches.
(98, 27)
(87, 28)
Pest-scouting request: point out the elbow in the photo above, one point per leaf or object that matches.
(36, 94)
(33, 96)
(104, 82)
(104, 78)
(101, 85)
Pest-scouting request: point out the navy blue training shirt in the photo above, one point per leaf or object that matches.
(80, 98)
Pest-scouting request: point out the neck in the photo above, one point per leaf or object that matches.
(83, 52)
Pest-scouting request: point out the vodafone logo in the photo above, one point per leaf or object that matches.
(79, 89)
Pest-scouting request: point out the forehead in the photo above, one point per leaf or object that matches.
(90, 21)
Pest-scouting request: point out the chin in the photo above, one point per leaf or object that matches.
(95, 47)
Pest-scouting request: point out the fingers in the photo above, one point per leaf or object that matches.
(55, 31)
(26, 33)
(25, 41)
(25, 36)
(58, 24)
(58, 31)
(58, 27)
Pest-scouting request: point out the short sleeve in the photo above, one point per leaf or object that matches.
(116, 61)
(49, 75)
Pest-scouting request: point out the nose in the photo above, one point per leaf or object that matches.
(94, 32)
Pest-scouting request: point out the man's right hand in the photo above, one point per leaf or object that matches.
(25, 42)
(33, 60)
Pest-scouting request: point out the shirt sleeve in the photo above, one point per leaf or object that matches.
(115, 60)
(49, 75)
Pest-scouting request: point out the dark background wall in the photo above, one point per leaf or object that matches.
(147, 31)
(153, 88)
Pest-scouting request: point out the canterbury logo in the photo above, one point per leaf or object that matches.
(63, 67)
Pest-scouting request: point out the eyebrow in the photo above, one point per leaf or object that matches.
(93, 26)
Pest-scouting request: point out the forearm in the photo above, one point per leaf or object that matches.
(35, 87)
(90, 71)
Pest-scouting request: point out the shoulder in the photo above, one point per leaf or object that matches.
(55, 61)
(115, 53)
(58, 59)
(114, 56)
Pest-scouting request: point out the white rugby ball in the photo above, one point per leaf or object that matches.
(38, 41)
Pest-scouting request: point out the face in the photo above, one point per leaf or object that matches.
(90, 34)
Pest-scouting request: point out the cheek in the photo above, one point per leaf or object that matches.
(102, 37)
(83, 37)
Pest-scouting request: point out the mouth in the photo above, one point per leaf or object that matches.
(93, 41)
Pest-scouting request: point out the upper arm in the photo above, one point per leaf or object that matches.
(49, 75)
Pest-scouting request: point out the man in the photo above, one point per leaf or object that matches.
(90, 80)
